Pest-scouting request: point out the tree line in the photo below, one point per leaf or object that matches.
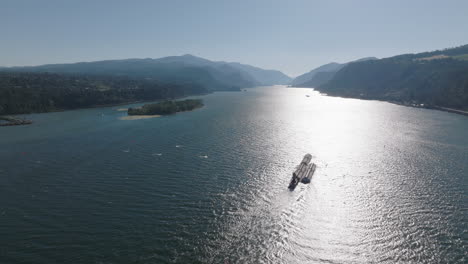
(23, 92)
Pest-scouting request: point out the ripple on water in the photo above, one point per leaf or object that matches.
(390, 185)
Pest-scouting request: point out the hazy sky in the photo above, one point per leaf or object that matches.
(291, 36)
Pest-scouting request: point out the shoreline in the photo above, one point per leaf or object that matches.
(432, 107)
(106, 105)
(15, 120)
(429, 107)
(450, 110)
(158, 115)
(11, 121)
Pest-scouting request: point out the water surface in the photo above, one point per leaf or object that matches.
(209, 186)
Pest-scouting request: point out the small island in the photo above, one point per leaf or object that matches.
(166, 107)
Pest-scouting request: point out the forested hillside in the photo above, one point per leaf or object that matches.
(66, 86)
(438, 78)
(322, 74)
(168, 71)
(44, 92)
(213, 75)
(262, 76)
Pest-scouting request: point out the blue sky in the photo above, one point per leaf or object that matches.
(293, 36)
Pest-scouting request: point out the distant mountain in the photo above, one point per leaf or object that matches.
(174, 69)
(55, 87)
(321, 74)
(330, 67)
(260, 76)
(319, 79)
(180, 69)
(263, 77)
(434, 79)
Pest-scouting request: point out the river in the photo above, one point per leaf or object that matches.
(210, 185)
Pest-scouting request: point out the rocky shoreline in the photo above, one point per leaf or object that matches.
(12, 121)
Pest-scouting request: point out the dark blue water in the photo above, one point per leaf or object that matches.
(209, 186)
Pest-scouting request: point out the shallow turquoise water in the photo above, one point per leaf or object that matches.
(209, 186)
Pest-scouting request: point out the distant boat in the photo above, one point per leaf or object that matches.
(307, 95)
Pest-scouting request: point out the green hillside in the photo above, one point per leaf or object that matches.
(438, 78)
(44, 92)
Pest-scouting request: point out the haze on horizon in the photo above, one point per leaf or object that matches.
(290, 36)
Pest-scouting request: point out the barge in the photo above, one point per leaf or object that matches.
(303, 172)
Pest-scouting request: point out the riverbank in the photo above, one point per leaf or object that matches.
(8, 120)
(110, 105)
(433, 107)
(408, 104)
(451, 110)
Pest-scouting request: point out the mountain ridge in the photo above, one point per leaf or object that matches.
(215, 73)
(430, 79)
(308, 79)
